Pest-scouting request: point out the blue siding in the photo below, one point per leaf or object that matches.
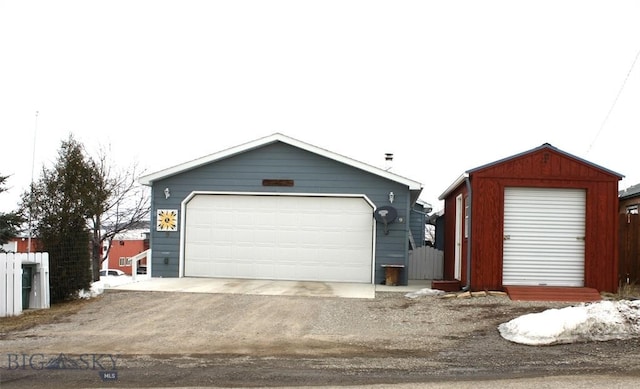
(310, 172)
(417, 224)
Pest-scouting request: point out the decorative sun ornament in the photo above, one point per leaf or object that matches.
(167, 220)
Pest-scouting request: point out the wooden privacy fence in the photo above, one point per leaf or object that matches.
(628, 249)
(24, 282)
(426, 263)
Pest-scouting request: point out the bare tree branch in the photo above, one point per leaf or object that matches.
(123, 205)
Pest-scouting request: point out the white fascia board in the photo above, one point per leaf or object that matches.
(277, 137)
(412, 185)
(150, 178)
(453, 186)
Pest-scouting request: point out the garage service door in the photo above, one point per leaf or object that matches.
(279, 237)
(544, 233)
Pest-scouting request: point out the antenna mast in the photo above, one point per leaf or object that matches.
(33, 162)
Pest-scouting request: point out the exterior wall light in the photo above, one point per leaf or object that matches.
(391, 197)
(167, 194)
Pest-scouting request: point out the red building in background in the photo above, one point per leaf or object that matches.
(123, 249)
(20, 244)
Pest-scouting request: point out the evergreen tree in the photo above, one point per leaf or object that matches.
(76, 206)
(9, 222)
(60, 203)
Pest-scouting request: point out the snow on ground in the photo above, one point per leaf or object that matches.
(98, 287)
(424, 292)
(600, 321)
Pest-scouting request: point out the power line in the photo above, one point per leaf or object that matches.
(615, 101)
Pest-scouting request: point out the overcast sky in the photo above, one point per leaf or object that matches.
(444, 85)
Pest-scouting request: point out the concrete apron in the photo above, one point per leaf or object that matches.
(264, 287)
(258, 287)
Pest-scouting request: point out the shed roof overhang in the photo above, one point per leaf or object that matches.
(415, 188)
(459, 181)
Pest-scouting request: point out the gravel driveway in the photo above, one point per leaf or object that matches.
(182, 339)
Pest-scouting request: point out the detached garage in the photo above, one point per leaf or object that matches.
(540, 218)
(280, 209)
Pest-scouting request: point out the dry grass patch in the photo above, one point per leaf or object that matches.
(31, 318)
(625, 291)
(629, 291)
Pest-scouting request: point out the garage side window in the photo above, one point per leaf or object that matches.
(124, 261)
(466, 216)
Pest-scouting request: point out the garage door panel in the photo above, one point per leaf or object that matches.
(302, 272)
(279, 237)
(251, 268)
(200, 234)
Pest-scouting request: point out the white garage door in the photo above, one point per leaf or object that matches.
(544, 231)
(279, 237)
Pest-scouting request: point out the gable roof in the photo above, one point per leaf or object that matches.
(277, 137)
(545, 146)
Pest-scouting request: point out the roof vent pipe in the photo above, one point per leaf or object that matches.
(388, 158)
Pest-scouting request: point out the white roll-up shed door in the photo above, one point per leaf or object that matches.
(544, 231)
(279, 237)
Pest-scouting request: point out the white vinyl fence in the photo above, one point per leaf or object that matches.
(426, 263)
(12, 267)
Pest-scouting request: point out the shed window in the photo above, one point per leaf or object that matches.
(466, 217)
(124, 261)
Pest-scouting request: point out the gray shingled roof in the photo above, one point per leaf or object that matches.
(631, 191)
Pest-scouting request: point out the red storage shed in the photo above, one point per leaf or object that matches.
(543, 217)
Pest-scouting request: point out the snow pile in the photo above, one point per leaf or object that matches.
(601, 321)
(424, 292)
(98, 287)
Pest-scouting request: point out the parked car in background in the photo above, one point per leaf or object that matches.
(111, 272)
